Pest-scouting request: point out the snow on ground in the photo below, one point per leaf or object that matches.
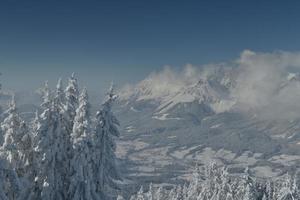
(286, 160)
(216, 126)
(165, 117)
(183, 152)
(144, 174)
(129, 129)
(150, 163)
(145, 169)
(247, 158)
(133, 109)
(155, 156)
(169, 103)
(265, 171)
(225, 154)
(124, 147)
(180, 154)
(205, 156)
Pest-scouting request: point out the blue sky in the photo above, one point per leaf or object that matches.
(126, 40)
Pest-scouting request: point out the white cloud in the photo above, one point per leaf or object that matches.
(263, 86)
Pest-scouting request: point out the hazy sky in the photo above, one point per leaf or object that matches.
(125, 40)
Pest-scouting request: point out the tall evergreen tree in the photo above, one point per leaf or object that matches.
(17, 141)
(15, 149)
(33, 192)
(12, 137)
(27, 174)
(59, 97)
(59, 107)
(82, 184)
(49, 149)
(69, 112)
(71, 96)
(106, 130)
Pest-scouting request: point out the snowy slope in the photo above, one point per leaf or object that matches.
(211, 91)
(203, 92)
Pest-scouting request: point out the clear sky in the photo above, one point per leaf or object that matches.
(125, 40)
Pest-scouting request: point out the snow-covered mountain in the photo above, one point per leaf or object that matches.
(211, 91)
(168, 129)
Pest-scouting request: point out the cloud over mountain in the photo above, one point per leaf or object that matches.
(267, 84)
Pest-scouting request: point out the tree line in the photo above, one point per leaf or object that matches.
(213, 182)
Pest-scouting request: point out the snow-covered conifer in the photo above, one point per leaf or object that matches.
(286, 191)
(49, 150)
(12, 137)
(17, 141)
(140, 195)
(32, 186)
(59, 109)
(16, 151)
(68, 115)
(150, 193)
(82, 184)
(71, 98)
(59, 96)
(106, 131)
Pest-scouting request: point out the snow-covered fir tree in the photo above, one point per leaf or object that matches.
(106, 130)
(12, 135)
(59, 174)
(71, 105)
(16, 149)
(33, 188)
(17, 140)
(10, 187)
(27, 159)
(215, 183)
(82, 184)
(25, 148)
(50, 151)
(71, 97)
(288, 189)
(59, 105)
